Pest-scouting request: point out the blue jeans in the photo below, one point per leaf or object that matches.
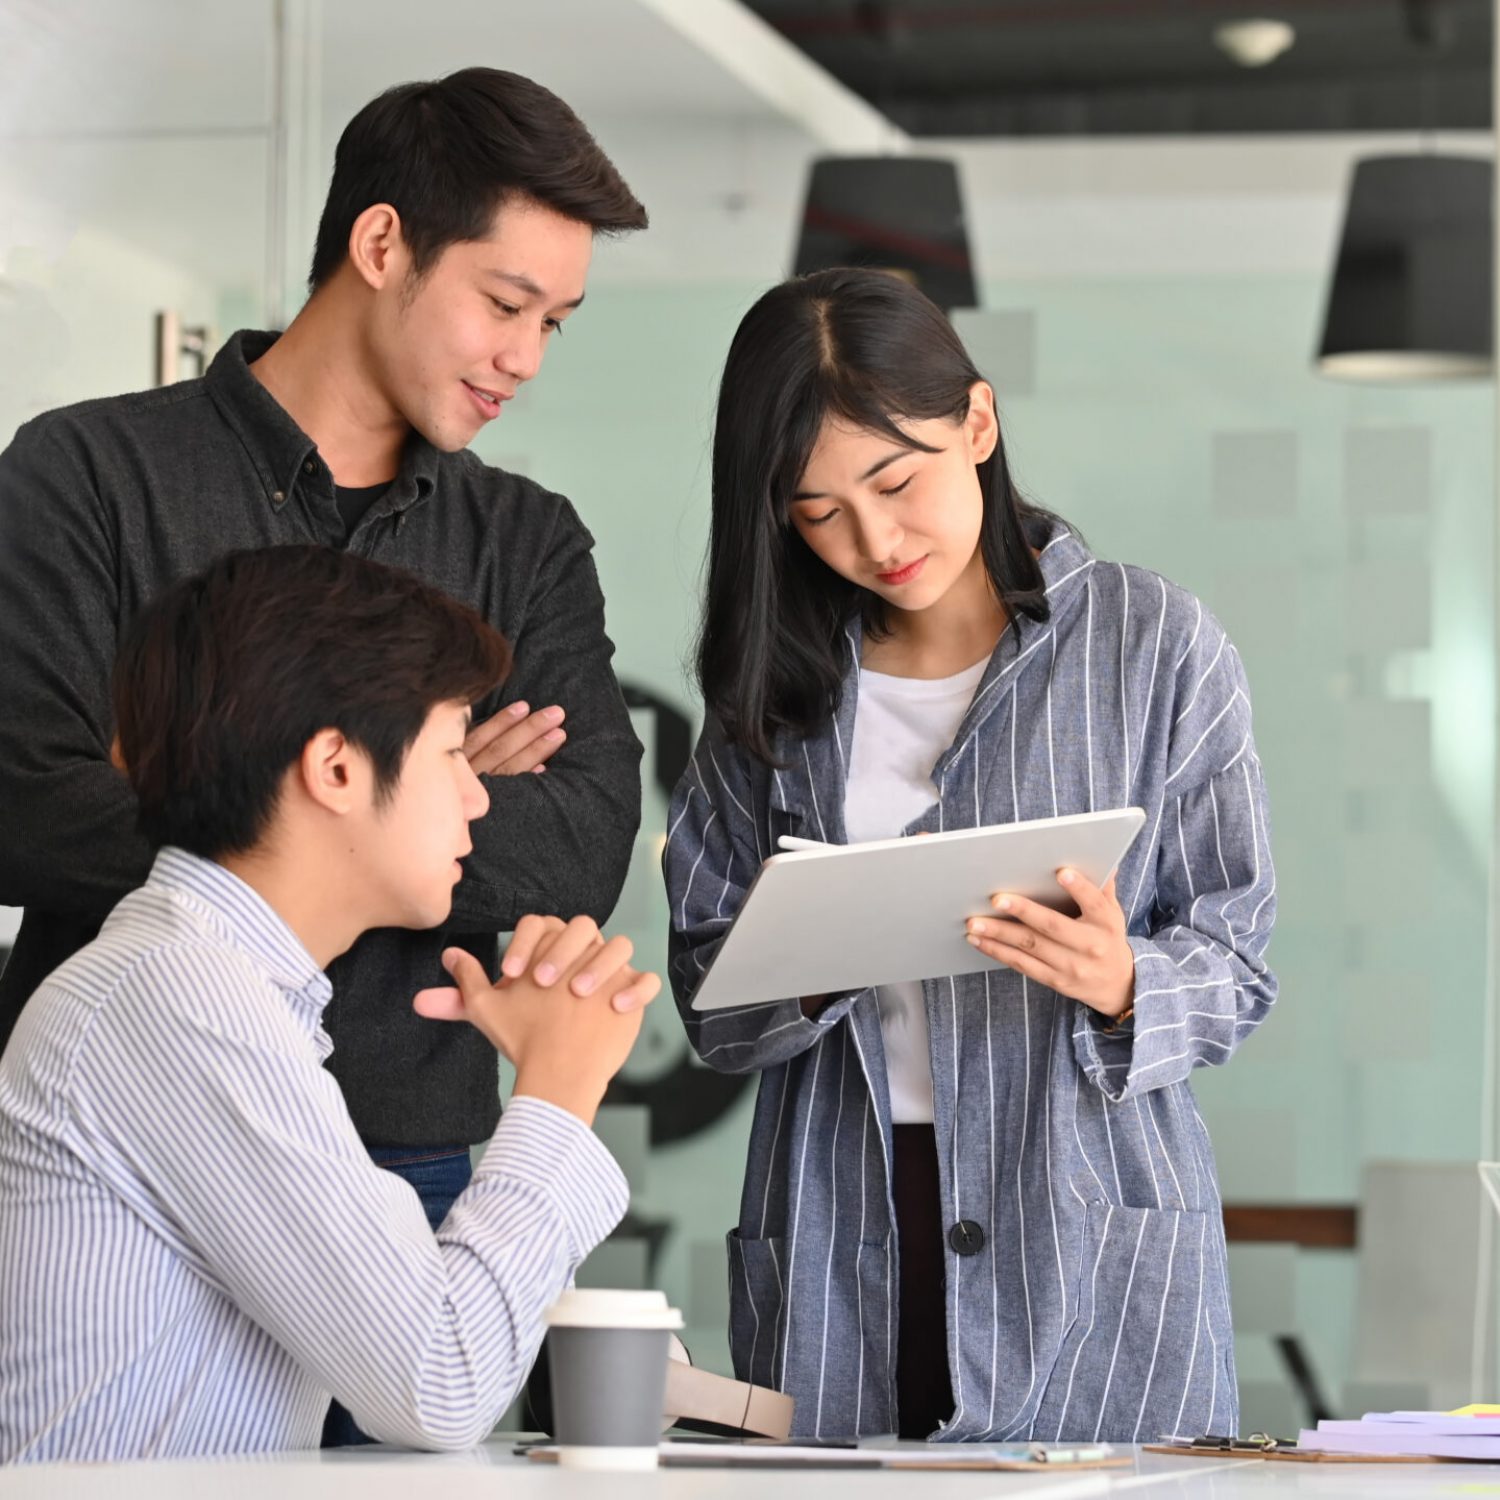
(439, 1174)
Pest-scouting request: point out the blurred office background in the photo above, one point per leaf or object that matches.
(1153, 224)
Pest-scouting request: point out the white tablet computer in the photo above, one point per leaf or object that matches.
(843, 916)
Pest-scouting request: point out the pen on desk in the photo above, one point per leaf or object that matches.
(1072, 1453)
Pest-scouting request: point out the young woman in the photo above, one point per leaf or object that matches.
(978, 1207)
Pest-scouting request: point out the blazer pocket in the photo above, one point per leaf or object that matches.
(1148, 1350)
(757, 1306)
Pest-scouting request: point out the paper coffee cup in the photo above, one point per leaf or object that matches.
(608, 1354)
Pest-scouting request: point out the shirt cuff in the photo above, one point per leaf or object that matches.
(552, 1152)
(1105, 1048)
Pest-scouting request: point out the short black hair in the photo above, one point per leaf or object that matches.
(446, 155)
(224, 677)
(867, 347)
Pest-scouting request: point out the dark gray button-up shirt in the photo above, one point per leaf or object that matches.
(104, 503)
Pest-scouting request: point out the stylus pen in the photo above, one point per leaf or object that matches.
(791, 844)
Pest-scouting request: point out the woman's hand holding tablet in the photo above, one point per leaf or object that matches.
(1086, 958)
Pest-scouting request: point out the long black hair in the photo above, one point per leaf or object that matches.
(868, 348)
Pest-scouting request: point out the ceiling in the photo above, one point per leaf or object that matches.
(80, 68)
(1149, 67)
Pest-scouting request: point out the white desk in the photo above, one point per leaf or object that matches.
(492, 1473)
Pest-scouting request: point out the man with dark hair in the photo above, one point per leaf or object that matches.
(195, 1248)
(455, 243)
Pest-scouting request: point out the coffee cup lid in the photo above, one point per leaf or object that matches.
(591, 1307)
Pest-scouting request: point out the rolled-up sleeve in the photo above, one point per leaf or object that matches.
(1201, 980)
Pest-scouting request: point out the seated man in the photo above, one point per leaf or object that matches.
(196, 1251)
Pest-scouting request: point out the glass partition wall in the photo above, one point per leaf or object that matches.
(136, 145)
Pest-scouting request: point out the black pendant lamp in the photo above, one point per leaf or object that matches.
(1413, 292)
(896, 213)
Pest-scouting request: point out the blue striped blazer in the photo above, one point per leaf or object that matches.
(1097, 1305)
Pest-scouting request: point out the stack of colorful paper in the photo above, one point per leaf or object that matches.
(1473, 1432)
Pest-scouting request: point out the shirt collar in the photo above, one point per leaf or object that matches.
(276, 445)
(1065, 562)
(247, 922)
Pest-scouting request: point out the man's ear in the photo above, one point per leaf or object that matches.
(982, 425)
(377, 248)
(330, 772)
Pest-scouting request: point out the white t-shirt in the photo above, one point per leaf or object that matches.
(901, 726)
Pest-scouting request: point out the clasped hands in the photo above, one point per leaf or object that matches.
(565, 1010)
(1087, 958)
(542, 951)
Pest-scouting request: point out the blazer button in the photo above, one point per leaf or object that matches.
(966, 1237)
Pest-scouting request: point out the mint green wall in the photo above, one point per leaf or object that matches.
(620, 421)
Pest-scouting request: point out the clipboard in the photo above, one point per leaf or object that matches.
(833, 918)
(1287, 1453)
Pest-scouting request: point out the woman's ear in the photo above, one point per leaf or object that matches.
(982, 424)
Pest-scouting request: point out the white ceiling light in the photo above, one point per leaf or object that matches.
(1254, 43)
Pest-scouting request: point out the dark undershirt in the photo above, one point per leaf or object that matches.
(353, 503)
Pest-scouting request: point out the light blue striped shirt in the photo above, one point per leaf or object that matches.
(196, 1251)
